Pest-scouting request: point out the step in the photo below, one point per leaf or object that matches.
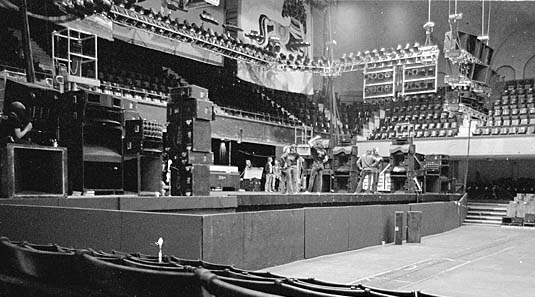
(487, 205)
(488, 212)
(482, 222)
(488, 218)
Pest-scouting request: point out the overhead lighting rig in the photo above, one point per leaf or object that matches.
(270, 57)
(149, 20)
(382, 58)
(460, 56)
(222, 44)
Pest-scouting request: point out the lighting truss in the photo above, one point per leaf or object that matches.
(378, 59)
(461, 56)
(233, 48)
(221, 44)
(463, 82)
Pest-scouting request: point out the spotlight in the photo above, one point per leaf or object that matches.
(231, 27)
(207, 17)
(375, 52)
(367, 55)
(343, 59)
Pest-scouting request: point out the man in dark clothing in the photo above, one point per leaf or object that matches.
(16, 127)
(319, 157)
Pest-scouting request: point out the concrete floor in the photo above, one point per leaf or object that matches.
(467, 261)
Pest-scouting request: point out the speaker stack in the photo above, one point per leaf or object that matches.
(91, 127)
(143, 148)
(343, 166)
(406, 166)
(189, 132)
(354, 171)
(437, 174)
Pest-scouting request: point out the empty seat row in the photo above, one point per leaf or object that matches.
(420, 133)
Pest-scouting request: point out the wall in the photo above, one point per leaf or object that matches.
(250, 240)
(368, 25)
(492, 169)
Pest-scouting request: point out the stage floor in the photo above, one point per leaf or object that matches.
(230, 201)
(468, 261)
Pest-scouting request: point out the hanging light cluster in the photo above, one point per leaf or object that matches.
(377, 59)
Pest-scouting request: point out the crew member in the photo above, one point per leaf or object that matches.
(366, 165)
(376, 168)
(291, 159)
(270, 178)
(319, 157)
(16, 127)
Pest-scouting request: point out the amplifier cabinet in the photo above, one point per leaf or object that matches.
(143, 128)
(189, 109)
(130, 109)
(225, 180)
(193, 157)
(142, 135)
(134, 145)
(190, 91)
(192, 135)
(190, 180)
(33, 171)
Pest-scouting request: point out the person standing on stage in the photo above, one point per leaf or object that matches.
(291, 159)
(268, 186)
(319, 157)
(277, 183)
(376, 168)
(283, 183)
(302, 179)
(365, 164)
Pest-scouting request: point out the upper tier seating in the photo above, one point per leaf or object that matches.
(355, 116)
(417, 115)
(512, 112)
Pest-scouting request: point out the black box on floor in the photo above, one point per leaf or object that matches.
(143, 173)
(32, 171)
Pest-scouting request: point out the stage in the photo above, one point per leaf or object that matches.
(224, 202)
(249, 229)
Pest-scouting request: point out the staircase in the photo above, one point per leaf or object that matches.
(485, 213)
(38, 53)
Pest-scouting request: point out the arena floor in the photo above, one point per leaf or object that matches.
(467, 261)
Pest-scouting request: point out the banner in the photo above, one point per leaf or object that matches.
(290, 21)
